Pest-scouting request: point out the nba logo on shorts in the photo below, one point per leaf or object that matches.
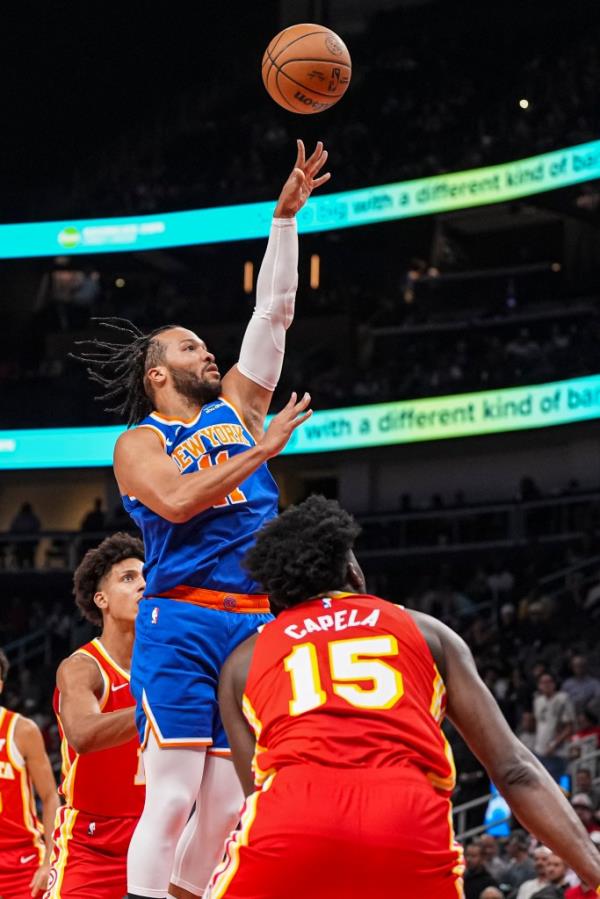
(91, 828)
(155, 615)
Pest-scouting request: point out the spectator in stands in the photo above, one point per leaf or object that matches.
(93, 522)
(554, 718)
(556, 872)
(95, 519)
(477, 877)
(530, 887)
(581, 891)
(584, 807)
(587, 726)
(491, 856)
(521, 866)
(583, 784)
(526, 730)
(492, 893)
(26, 523)
(582, 688)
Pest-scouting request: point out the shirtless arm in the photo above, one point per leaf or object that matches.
(531, 793)
(31, 746)
(86, 727)
(144, 470)
(231, 691)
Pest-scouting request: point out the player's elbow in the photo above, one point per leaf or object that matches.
(520, 769)
(80, 741)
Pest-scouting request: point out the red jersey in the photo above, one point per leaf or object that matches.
(109, 782)
(19, 825)
(347, 681)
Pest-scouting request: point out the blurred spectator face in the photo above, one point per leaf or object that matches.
(583, 808)
(492, 893)
(540, 858)
(507, 614)
(517, 844)
(583, 781)
(579, 666)
(528, 722)
(546, 685)
(555, 869)
(474, 857)
(489, 846)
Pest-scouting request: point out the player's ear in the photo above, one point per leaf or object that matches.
(100, 600)
(156, 376)
(354, 574)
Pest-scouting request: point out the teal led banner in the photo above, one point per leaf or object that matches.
(324, 212)
(384, 424)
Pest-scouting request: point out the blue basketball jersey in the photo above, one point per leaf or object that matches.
(207, 550)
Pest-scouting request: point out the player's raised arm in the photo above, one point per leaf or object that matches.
(86, 727)
(250, 383)
(31, 746)
(531, 793)
(144, 470)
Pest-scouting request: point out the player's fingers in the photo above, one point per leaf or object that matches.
(300, 156)
(301, 419)
(317, 182)
(292, 400)
(315, 155)
(302, 404)
(319, 163)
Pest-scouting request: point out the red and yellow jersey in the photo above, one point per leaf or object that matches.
(347, 681)
(109, 782)
(19, 825)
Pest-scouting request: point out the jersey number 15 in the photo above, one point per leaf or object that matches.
(351, 663)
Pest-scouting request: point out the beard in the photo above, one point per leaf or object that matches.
(193, 388)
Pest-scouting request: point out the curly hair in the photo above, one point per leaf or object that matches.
(121, 368)
(96, 564)
(303, 552)
(4, 665)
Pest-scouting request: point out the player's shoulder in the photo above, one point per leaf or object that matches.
(79, 669)
(27, 734)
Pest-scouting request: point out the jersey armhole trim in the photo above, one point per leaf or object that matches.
(233, 406)
(12, 750)
(158, 433)
(105, 679)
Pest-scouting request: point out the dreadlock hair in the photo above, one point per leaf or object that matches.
(303, 552)
(120, 368)
(96, 564)
(4, 666)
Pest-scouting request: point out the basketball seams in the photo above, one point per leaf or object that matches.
(281, 94)
(311, 90)
(270, 49)
(301, 38)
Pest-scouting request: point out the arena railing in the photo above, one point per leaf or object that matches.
(588, 759)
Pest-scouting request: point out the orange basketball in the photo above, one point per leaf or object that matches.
(306, 68)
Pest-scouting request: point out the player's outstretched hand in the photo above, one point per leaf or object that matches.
(280, 430)
(302, 181)
(39, 881)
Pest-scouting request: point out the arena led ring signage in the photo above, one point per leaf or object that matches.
(387, 202)
(358, 427)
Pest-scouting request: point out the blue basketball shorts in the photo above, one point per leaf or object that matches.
(178, 654)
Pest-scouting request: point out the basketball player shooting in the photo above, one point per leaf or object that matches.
(346, 694)
(193, 476)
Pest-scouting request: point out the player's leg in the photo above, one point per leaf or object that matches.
(176, 659)
(202, 843)
(173, 778)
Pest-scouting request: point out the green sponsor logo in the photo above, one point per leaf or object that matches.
(69, 237)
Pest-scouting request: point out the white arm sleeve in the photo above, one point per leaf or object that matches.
(263, 346)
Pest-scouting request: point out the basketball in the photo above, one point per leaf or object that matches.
(306, 68)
